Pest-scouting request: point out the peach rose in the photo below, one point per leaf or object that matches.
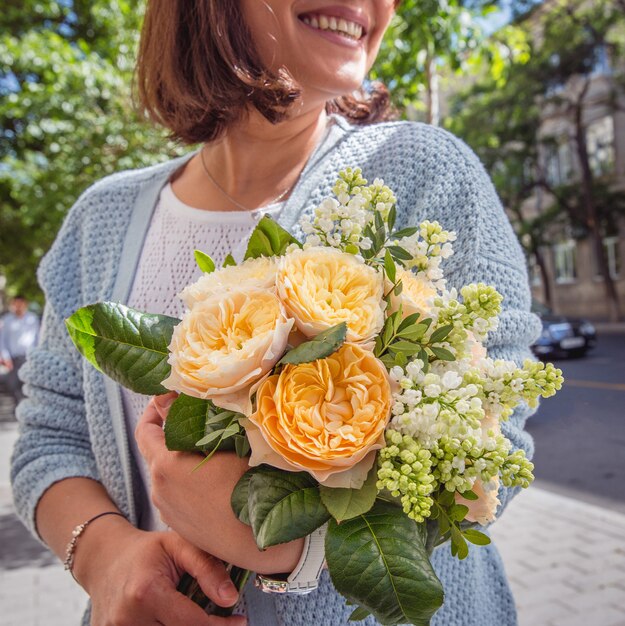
(484, 508)
(225, 344)
(322, 287)
(251, 274)
(415, 296)
(326, 417)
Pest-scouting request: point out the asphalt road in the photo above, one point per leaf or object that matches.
(580, 433)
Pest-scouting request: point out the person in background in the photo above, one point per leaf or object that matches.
(19, 332)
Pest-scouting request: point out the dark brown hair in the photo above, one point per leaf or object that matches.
(198, 71)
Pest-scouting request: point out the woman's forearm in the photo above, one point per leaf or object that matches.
(71, 502)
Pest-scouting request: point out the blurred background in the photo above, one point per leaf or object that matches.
(537, 89)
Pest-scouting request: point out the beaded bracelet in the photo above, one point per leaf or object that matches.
(70, 551)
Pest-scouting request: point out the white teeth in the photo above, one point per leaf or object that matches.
(340, 25)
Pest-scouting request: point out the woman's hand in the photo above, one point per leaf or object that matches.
(131, 577)
(196, 502)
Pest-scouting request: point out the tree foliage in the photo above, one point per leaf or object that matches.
(575, 63)
(66, 117)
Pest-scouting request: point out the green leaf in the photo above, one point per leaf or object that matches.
(320, 347)
(241, 445)
(443, 354)
(389, 266)
(283, 506)
(229, 261)
(446, 498)
(409, 321)
(219, 434)
(348, 503)
(399, 287)
(268, 239)
(469, 495)
(379, 222)
(240, 496)
(359, 614)
(476, 537)
(399, 253)
(129, 346)
(413, 333)
(392, 216)
(441, 333)
(406, 232)
(458, 544)
(406, 347)
(458, 512)
(378, 560)
(204, 262)
(191, 419)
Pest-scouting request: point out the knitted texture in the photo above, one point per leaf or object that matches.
(65, 424)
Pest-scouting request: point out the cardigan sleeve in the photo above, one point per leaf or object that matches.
(487, 250)
(53, 442)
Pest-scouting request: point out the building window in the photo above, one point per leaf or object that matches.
(565, 261)
(558, 162)
(600, 145)
(612, 253)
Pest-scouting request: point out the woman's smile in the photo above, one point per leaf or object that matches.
(339, 24)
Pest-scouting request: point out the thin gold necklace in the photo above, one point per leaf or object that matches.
(238, 204)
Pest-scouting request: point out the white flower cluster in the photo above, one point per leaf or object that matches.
(340, 222)
(428, 247)
(437, 403)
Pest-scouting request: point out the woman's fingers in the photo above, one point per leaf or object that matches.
(210, 572)
(163, 403)
(149, 432)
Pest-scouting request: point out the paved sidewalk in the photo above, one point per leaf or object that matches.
(565, 560)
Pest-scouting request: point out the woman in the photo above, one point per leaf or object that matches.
(259, 84)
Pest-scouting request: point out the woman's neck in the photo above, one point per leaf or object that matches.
(254, 163)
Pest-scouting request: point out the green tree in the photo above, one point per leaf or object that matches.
(577, 54)
(66, 118)
(429, 40)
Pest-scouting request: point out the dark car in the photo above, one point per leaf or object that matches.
(563, 335)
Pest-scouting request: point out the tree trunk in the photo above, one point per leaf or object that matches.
(591, 217)
(432, 112)
(544, 277)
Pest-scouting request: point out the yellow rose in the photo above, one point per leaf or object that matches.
(251, 274)
(326, 417)
(415, 296)
(225, 344)
(322, 287)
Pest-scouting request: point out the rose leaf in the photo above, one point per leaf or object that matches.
(129, 346)
(378, 560)
(283, 506)
(320, 347)
(345, 504)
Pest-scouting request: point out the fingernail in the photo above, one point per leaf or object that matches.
(228, 591)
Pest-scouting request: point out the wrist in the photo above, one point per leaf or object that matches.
(97, 547)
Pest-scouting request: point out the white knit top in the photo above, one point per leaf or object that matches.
(167, 266)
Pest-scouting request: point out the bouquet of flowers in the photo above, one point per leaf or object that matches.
(357, 383)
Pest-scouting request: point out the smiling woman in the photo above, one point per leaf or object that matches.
(246, 45)
(271, 91)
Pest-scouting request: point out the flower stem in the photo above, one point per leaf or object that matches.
(189, 587)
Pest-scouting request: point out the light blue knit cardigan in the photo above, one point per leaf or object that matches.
(71, 423)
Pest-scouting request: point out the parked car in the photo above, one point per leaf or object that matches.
(562, 335)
